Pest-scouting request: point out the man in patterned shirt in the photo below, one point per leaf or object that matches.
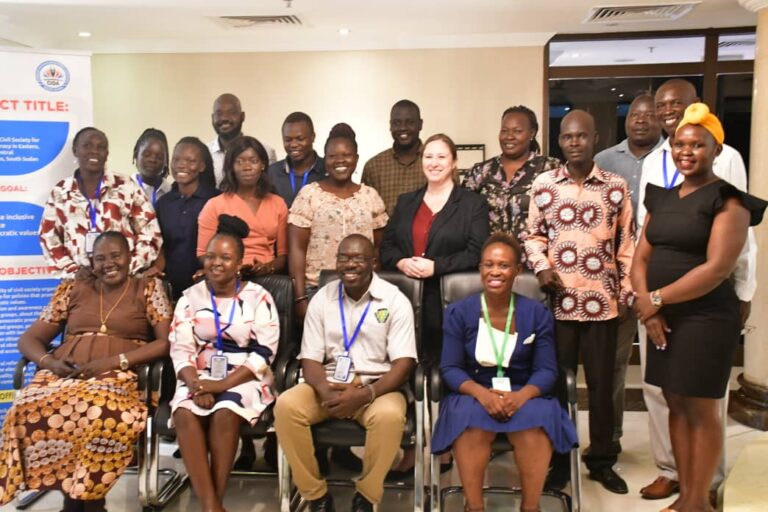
(397, 170)
(580, 244)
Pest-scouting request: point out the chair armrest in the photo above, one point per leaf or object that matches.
(435, 384)
(292, 374)
(417, 381)
(20, 372)
(281, 368)
(570, 385)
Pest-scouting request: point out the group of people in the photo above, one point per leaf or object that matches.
(652, 232)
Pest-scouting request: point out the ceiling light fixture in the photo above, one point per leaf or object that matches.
(621, 95)
(613, 89)
(344, 31)
(84, 34)
(575, 55)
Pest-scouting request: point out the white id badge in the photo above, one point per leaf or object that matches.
(90, 239)
(219, 367)
(343, 368)
(501, 384)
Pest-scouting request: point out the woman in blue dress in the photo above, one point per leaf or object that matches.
(499, 362)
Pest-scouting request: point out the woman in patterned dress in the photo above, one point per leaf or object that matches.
(225, 335)
(73, 428)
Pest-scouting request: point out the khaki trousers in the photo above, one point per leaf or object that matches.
(658, 422)
(298, 408)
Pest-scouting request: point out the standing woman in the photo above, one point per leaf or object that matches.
(692, 236)
(326, 212)
(178, 210)
(505, 180)
(93, 201)
(150, 156)
(246, 194)
(224, 338)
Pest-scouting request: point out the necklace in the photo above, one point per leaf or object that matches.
(103, 319)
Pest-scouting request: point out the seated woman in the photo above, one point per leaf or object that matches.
(150, 156)
(75, 425)
(93, 201)
(224, 339)
(246, 194)
(178, 210)
(499, 362)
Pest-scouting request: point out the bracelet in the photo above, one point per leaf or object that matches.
(373, 394)
(300, 299)
(40, 361)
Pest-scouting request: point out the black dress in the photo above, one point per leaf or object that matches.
(704, 331)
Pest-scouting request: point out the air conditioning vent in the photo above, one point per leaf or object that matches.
(734, 44)
(638, 13)
(239, 22)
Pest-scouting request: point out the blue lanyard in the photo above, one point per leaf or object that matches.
(347, 341)
(154, 189)
(293, 179)
(219, 342)
(91, 207)
(667, 184)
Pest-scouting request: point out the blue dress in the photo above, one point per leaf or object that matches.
(531, 363)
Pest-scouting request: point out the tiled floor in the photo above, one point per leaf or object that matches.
(260, 495)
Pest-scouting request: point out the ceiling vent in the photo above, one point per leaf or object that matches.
(638, 13)
(735, 44)
(239, 22)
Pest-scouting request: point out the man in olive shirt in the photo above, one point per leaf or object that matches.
(397, 170)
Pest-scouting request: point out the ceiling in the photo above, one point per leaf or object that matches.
(170, 26)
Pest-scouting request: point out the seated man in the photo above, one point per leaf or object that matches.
(357, 353)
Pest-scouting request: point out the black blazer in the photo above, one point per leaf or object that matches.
(455, 238)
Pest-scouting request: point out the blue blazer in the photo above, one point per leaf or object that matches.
(534, 363)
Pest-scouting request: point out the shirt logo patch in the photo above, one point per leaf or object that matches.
(382, 315)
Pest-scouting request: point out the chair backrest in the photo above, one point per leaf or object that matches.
(454, 287)
(281, 289)
(411, 288)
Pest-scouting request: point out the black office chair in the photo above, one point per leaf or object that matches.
(349, 433)
(458, 286)
(155, 495)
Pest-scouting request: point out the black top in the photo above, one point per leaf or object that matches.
(177, 216)
(279, 176)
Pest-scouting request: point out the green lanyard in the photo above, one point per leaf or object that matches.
(499, 355)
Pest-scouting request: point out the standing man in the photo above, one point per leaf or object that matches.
(397, 170)
(302, 165)
(357, 352)
(672, 98)
(626, 159)
(580, 244)
(227, 120)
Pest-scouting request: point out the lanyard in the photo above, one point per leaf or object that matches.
(667, 183)
(91, 207)
(507, 326)
(293, 179)
(347, 341)
(219, 342)
(154, 189)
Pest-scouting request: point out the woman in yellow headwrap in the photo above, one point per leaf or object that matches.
(692, 236)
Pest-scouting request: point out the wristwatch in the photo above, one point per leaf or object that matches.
(656, 299)
(124, 364)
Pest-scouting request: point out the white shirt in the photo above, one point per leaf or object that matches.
(729, 166)
(218, 158)
(387, 332)
(162, 189)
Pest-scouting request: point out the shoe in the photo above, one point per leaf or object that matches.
(556, 480)
(343, 456)
(660, 489)
(360, 504)
(610, 480)
(324, 504)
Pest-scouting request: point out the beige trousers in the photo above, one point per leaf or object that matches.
(298, 408)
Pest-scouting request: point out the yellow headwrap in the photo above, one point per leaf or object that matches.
(698, 114)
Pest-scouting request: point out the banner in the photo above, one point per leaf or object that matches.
(45, 98)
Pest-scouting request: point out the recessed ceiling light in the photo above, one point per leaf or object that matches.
(344, 31)
(613, 89)
(566, 108)
(575, 55)
(84, 34)
(621, 95)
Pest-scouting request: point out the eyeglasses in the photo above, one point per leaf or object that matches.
(356, 258)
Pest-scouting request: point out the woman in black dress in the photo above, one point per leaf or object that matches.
(692, 237)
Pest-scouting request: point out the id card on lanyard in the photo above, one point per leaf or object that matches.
(344, 361)
(500, 382)
(93, 232)
(219, 362)
(667, 183)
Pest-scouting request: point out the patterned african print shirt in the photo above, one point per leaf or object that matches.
(122, 206)
(585, 233)
(507, 200)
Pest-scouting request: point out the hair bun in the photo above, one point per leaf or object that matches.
(342, 130)
(231, 225)
(696, 113)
